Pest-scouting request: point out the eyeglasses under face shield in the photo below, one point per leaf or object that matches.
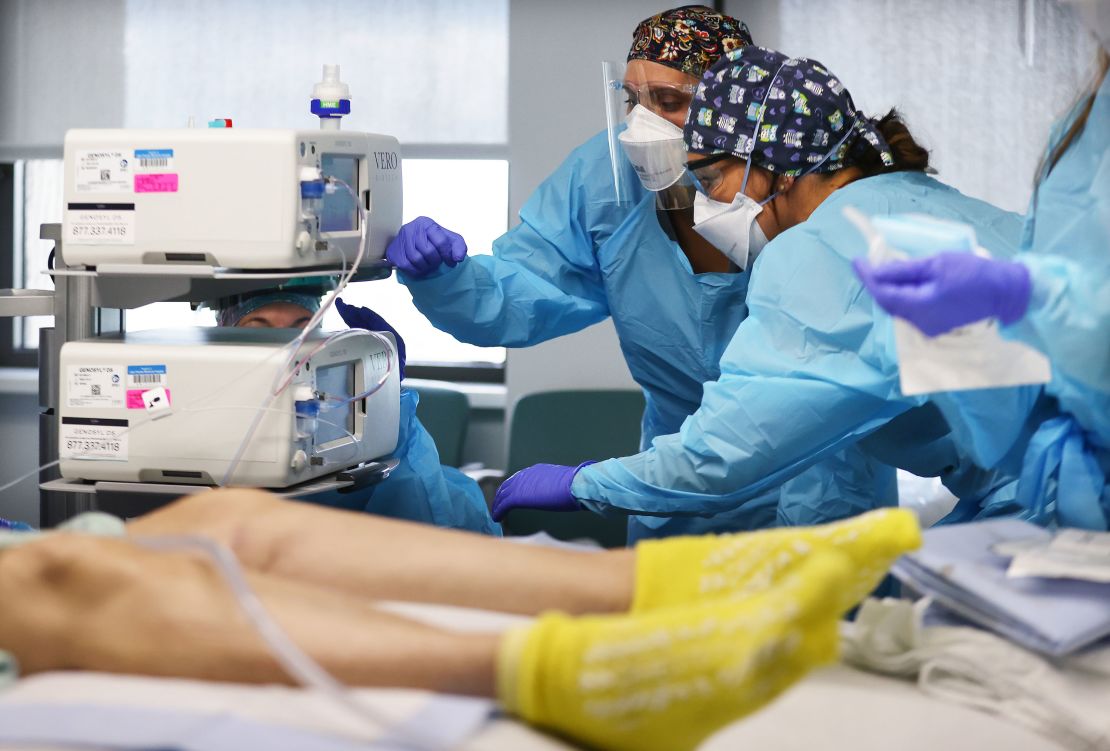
(645, 119)
(707, 174)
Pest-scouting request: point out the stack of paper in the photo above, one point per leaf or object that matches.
(963, 567)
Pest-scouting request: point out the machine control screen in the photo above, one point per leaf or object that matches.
(340, 211)
(338, 382)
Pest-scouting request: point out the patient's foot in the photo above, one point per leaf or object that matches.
(690, 569)
(669, 678)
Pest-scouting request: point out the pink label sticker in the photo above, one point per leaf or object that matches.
(135, 398)
(163, 183)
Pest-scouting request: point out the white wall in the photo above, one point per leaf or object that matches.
(956, 69)
(67, 60)
(555, 103)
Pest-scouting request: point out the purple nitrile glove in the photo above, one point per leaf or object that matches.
(542, 486)
(422, 246)
(364, 318)
(949, 290)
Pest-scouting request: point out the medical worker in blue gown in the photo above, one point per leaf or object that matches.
(419, 489)
(581, 253)
(1054, 296)
(779, 151)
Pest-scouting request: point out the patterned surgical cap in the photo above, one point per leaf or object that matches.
(689, 39)
(807, 113)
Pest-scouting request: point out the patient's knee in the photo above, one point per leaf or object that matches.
(214, 513)
(229, 503)
(49, 561)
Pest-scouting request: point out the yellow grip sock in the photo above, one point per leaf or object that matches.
(669, 678)
(688, 569)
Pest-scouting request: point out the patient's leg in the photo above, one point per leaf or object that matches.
(77, 602)
(381, 558)
(655, 681)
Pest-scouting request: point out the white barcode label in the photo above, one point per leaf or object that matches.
(93, 439)
(94, 386)
(158, 160)
(103, 171)
(99, 224)
(146, 376)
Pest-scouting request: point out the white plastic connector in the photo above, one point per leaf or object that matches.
(331, 87)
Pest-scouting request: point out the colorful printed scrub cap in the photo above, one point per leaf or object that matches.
(231, 311)
(689, 39)
(800, 116)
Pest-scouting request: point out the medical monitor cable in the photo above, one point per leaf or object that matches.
(268, 399)
(292, 363)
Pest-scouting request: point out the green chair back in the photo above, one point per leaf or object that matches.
(570, 427)
(444, 412)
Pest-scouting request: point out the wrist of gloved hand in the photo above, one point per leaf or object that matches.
(364, 318)
(1013, 290)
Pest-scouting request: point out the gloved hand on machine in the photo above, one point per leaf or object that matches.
(364, 318)
(422, 246)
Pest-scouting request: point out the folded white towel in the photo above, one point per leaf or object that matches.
(1068, 701)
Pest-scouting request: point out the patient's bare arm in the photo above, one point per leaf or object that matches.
(78, 602)
(377, 558)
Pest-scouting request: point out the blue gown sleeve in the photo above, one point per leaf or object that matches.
(810, 371)
(420, 489)
(1068, 317)
(543, 279)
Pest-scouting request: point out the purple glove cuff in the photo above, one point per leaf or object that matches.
(1018, 282)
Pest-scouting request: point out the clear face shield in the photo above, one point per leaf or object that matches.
(644, 120)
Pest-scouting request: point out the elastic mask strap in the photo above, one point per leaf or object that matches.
(758, 122)
(851, 129)
(824, 159)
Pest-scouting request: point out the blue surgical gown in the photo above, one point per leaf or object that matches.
(420, 489)
(807, 375)
(578, 257)
(1065, 460)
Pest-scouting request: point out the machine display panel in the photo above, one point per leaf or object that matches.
(338, 382)
(340, 212)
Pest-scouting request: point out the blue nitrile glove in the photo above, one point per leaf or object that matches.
(15, 526)
(422, 245)
(364, 318)
(949, 290)
(541, 486)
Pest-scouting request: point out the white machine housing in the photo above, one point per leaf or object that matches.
(225, 197)
(215, 380)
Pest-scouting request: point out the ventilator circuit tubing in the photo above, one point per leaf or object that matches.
(298, 664)
(292, 364)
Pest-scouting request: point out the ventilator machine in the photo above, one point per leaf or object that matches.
(132, 419)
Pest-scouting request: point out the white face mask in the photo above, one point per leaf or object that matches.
(731, 227)
(1095, 15)
(654, 146)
